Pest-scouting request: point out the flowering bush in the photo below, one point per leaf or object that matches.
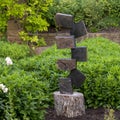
(31, 81)
(3, 88)
(8, 61)
(27, 98)
(3, 101)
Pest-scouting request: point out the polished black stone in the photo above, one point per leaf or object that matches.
(64, 20)
(65, 86)
(77, 78)
(78, 29)
(79, 53)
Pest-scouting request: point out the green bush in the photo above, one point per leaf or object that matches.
(101, 87)
(15, 51)
(31, 81)
(27, 97)
(29, 14)
(97, 15)
(30, 88)
(44, 67)
(3, 103)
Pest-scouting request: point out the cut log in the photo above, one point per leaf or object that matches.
(69, 105)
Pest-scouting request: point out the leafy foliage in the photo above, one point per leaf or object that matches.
(109, 114)
(33, 40)
(14, 51)
(101, 87)
(3, 104)
(31, 81)
(97, 14)
(36, 16)
(31, 14)
(27, 96)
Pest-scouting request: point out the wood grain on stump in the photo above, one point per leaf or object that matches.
(69, 105)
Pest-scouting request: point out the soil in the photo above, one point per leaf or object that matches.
(91, 114)
(110, 30)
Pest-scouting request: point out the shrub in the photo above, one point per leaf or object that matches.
(3, 102)
(30, 12)
(101, 87)
(15, 51)
(30, 88)
(31, 16)
(44, 66)
(31, 81)
(27, 97)
(97, 15)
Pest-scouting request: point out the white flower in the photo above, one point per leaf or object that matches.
(3, 88)
(8, 61)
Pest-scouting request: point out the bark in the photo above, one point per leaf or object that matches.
(69, 105)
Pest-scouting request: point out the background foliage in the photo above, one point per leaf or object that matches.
(29, 13)
(13, 50)
(31, 80)
(97, 14)
(36, 16)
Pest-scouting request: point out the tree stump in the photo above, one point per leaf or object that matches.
(69, 105)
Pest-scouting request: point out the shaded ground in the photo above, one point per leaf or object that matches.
(91, 114)
(110, 30)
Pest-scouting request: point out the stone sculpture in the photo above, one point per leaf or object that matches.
(65, 21)
(69, 103)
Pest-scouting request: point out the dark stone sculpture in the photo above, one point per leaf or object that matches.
(78, 29)
(64, 20)
(65, 42)
(77, 78)
(65, 86)
(66, 64)
(79, 53)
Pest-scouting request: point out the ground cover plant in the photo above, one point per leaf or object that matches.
(31, 80)
(102, 71)
(13, 50)
(22, 96)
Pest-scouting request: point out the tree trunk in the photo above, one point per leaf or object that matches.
(69, 105)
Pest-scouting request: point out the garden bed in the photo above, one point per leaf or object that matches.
(91, 114)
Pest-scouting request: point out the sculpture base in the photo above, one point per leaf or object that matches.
(69, 105)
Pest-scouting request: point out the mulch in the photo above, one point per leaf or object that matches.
(110, 30)
(90, 114)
